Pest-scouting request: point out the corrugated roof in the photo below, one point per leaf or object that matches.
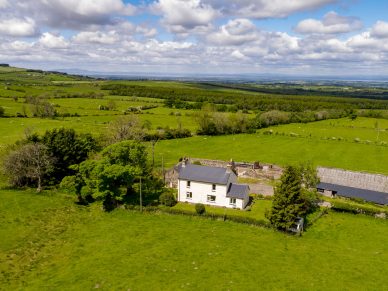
(239, 191)
(214, 175)
(350, 192)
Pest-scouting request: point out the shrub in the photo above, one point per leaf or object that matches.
(200, 208)
(167, 199)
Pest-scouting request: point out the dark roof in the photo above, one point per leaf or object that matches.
(239, 191)
(350, 192)
(205, 174)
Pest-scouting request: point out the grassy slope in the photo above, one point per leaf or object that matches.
(49, 243)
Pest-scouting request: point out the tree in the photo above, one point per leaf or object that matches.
(110, 178)
(68, 148)
(288, 203)
(28, 165)
(40, 107)
(309, 175)
(126, 128)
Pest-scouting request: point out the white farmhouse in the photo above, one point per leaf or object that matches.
(211, 185)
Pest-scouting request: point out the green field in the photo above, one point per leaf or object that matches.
(277, 149)
(49, 243)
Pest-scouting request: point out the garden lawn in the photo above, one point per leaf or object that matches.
(48, 243)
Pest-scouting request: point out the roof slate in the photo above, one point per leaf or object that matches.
(239, 191)
(350, 192)
(204, 174)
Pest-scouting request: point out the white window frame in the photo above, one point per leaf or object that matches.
(188, 184)
(209, 198)
(231, 201)
(214, 187)
(189, 195)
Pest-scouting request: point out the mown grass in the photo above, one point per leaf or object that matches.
(49, 243)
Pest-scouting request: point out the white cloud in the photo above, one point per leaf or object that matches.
(52, 41)
(235, 32)
(96, 37)
(181, 16)
(266, 8)
(18, 27)
(380, 29)
(72, 13)
(332, 23)
(3, 4)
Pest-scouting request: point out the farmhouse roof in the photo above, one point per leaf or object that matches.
(350, 192)
(214, 175)
(239, 191)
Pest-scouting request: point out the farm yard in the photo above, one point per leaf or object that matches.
(51, 242)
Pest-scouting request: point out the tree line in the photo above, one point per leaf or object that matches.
(243, 100)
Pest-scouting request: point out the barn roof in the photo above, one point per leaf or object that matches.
(350, 192)
(239, 191)
(214, 175)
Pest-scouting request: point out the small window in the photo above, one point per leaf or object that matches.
(232, 201)
(214, 187)
(188, 183)
(189, 195)
(211, 198)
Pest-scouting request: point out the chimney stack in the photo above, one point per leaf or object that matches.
(230, 167)
(184, 162)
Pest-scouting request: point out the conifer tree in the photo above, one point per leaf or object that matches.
(288, 203)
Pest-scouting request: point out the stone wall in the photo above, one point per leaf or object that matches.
(360, 180)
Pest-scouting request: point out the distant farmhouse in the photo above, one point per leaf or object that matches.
(211, 185)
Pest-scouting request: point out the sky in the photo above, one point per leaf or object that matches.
(291, 37)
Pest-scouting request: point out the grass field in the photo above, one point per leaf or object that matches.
(281, 150)
(49, 243)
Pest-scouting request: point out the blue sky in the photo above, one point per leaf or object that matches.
(309, 37)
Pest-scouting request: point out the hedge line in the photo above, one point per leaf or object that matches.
(213, 216)
(357, 209)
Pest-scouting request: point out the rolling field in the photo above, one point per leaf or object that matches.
(365, 129)
(50, 243)
(278, 149)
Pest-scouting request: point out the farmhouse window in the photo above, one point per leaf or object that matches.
(214, 187)
(189, 195)
(211, 198)
(188, 183)
(232, 201)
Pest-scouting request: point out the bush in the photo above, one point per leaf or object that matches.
(200, 208)
(167, 199)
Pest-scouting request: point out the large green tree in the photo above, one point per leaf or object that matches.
(112, 177)
(67, 148)
(288, 203)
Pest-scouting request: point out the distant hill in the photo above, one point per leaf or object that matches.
(11, 75)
